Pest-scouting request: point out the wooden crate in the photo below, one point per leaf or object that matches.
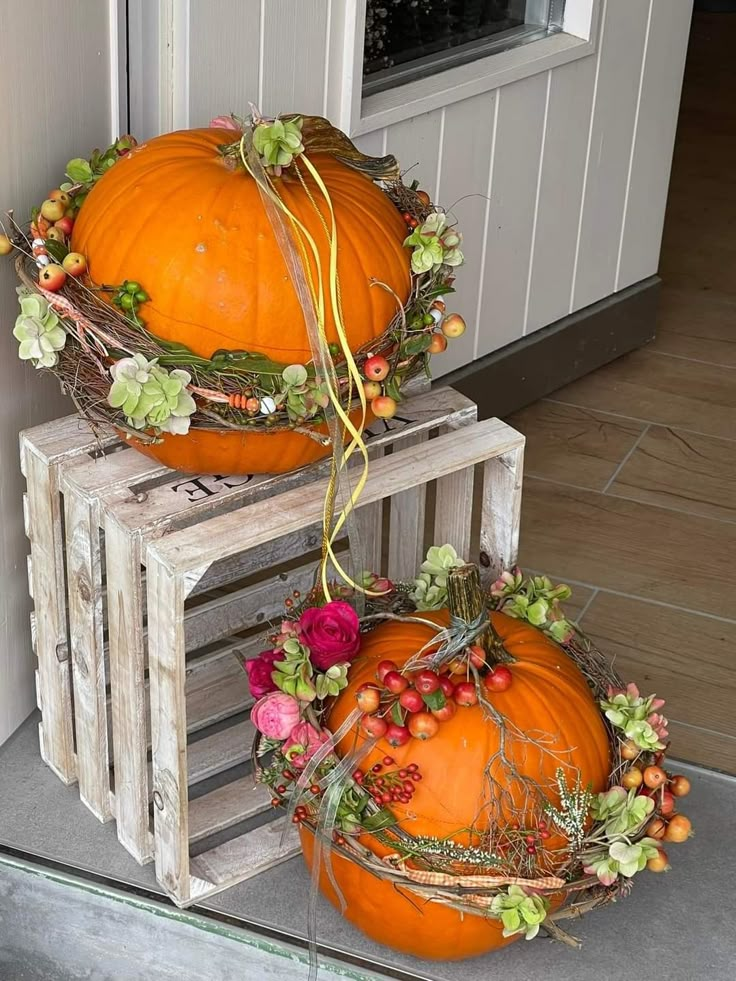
(113, 507)
(205, 842)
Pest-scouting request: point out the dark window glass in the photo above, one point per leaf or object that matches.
(400, 34)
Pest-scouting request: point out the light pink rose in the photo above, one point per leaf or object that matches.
(331, 632)
(275, 715)
(224, 122)
(303, 742)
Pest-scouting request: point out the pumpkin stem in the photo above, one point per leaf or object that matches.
(466, 601)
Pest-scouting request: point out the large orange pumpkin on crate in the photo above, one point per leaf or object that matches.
(548, 695)
(177, 217)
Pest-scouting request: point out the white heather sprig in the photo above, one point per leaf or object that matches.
(574, 809)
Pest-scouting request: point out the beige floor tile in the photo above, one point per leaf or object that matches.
(682, 470)
(698, 324)
(634, 548)
(573, 445)
(686, 658)
(669, 391)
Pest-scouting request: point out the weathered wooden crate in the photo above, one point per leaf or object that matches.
(206, 838)
(104, 504)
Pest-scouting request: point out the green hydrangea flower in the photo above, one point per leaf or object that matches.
(622, 812)
(638, 717)
(434, 244)
(279, 142)
(151, 397)
(620, 858)
(39, 331)
(294, 674)
(519, 912)
(333, 681)
(430, 586)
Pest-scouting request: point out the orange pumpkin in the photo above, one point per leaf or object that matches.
(549, 695)
(191, 228)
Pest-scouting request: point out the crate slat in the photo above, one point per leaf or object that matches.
(242, 858)
(49, 590)
(501, 511)
(227, 806)
(86, 633)
(406, 528)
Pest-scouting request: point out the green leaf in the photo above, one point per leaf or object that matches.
(57, 250)
(416, 345)
(79, 171)
(397, 714)
(436, 700)
(393, 387)
(379, 821)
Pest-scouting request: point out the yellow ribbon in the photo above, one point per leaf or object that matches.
(306, 243)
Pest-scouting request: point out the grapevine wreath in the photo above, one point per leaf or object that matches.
(239, 298)
(464, 767)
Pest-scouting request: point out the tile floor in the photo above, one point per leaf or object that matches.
(630, 490)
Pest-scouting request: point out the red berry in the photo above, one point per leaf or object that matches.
(408, 786)
(423, 725)
(281, 789)
(411, 700)
(397, 735)
(499, 679)
(372, 725)
(531, 850)
(544, 834)
(368, 698)
(446, 712)
(542, 824)
(376, 368)
(530, 839)
(416, 777)
(315, 789)
(403, 773)
(413, 767)
(357, 775)
(448, 688)
(287, 775)
(395, 682)
(380, 782)
(465, 694)
(386, 798)
(477, 656)
(383, 669)
(296, 819)
(412, 222)
(377, 768)
(275, 802)
(388, 760)
(427, 682)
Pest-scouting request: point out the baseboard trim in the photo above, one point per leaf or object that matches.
(540, 363)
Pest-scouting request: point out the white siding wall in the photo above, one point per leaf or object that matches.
(558, 181)
(54, 79)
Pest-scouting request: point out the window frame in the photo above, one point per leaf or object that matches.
(357, 114)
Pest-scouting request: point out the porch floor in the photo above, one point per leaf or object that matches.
(677, 926)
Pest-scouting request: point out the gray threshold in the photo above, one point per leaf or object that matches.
(677, 925)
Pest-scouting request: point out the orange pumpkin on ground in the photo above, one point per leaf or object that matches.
(179, 219)
(549, 695)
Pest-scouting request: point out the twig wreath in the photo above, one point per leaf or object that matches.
(353, 716)
(94, 336)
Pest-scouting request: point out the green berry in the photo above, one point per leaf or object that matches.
(427, 319)
(141, 296)
(334, 349)
(131, 287)
(127, 302)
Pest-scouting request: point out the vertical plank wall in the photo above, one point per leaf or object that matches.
(55, 84)
(558, 181)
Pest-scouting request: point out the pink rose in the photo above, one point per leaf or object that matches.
(303, 742)
(275, 715)
(331, 632)
(259, 670)
(224, 122)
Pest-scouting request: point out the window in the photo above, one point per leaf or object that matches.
(407, 40)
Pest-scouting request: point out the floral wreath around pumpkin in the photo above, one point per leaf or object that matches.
(93, 336)
(503, 873)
